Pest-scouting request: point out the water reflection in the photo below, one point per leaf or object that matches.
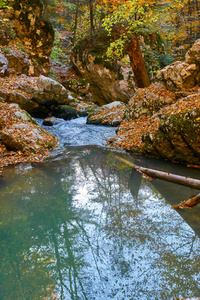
(84, 226)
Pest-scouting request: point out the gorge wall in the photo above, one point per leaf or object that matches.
(27, 28)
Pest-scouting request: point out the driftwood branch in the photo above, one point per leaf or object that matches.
(190, 203)
(182, 180)
(186, 181)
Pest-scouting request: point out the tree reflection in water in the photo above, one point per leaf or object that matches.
(83, 226)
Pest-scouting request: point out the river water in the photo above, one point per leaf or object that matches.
(82, 225)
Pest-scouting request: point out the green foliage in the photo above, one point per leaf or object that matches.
(57, 53)
(6, 50)
(3, 4)
(165, 60)
(116, 49)
(21, 47)
(151, 60)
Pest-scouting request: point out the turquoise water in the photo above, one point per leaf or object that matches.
(84, 226)
(81, 225)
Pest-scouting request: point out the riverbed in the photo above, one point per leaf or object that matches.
(82, 225)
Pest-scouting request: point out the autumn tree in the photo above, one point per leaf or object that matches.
(129, 20)
(132, 25)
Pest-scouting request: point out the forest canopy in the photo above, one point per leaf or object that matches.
(164, 29)
(176, 21)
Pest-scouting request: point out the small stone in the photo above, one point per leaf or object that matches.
(49, 121)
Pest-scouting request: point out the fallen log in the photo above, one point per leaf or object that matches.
(189, 203)
(182, 180)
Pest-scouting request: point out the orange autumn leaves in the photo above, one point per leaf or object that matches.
(20, 131)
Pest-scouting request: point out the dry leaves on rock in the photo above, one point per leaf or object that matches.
(36, 142)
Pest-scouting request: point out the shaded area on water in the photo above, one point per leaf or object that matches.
(84, 226)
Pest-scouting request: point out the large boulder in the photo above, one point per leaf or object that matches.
(19, 132)
(193, 55)
(108, 81)
(173, 133)
(163, 120)
(110, 114)
(182, 75)
(177, 137)
(28, 104)
(148, 101)
(179, 75)
(50, 92)
(46, 84)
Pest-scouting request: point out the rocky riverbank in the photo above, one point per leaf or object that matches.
(163, 120)
(23, 96)
(160, 121)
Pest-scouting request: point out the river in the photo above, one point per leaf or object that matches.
(82, 225)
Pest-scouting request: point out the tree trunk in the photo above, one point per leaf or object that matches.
(91, 18)
(186, 181)
(138, 64)
(76, 21)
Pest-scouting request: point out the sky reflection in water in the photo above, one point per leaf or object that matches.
(84, 226)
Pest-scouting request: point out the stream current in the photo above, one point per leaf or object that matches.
(82, 225)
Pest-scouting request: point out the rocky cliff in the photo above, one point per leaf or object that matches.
(27, 28)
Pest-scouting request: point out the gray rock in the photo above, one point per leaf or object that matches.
(148, 101)
(110, 114)
(3, 65)
(106, 84)
(18, 62)
(24, 102)
(46, 84)
(50, 92)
